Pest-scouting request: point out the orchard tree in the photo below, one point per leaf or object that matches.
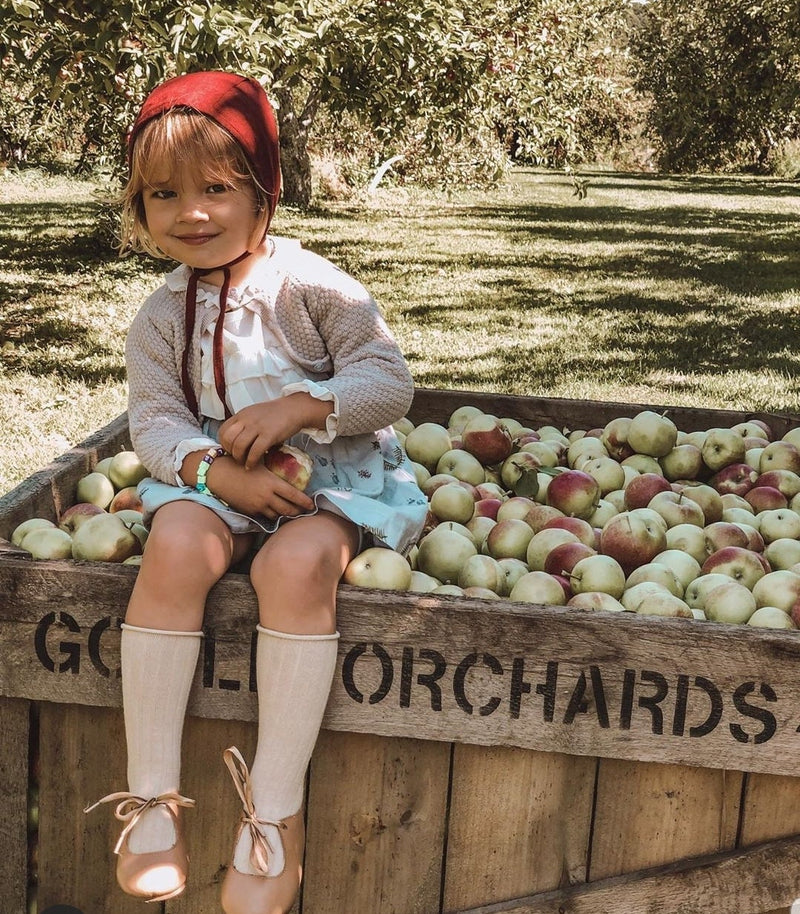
(530, 69)
(723, 76)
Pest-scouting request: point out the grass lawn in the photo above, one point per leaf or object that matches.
(667, 290)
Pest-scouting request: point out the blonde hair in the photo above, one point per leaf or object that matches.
(179, 138)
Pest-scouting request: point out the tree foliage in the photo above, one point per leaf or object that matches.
(724, 77)
(426, 73)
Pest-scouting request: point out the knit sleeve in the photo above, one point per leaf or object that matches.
(158, 415)
(370, 378)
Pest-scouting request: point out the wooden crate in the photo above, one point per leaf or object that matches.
(476, 756)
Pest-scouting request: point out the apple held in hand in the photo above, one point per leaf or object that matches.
(290, 464)
(379, 567)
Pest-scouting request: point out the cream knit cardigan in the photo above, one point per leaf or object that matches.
(326, 319)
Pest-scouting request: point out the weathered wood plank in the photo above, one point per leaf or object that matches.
(432, 405)
(14, 727)
(770, 809)
(548, 678)
(81, 761)
(519, 823)
(648, 814)
(47, 492)
(211, 826)
(376, 825)
(737, 882)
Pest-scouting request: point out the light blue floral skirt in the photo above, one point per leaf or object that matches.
(366, 479)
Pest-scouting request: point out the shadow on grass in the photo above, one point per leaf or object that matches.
(51, 255)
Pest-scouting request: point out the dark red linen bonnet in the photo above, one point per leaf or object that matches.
(239, 105)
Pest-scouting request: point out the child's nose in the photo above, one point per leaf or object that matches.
(192, 211)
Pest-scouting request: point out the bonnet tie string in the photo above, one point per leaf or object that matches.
(190, 315)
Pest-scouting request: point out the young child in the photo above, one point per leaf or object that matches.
(251, 342)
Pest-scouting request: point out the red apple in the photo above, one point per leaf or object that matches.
(739, 563)
(574, 493)
(563, 558)
(74, 516)
(615, 438)
(721, 534)
(487, 439)
(126, 499)
(487, 507)
(642, 488)
(735, 478)
(785, 481)
(585, 532)
(632, 540)
(766, 498)
(290, 464)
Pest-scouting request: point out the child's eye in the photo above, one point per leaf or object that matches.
(163, 194)
(217, 189)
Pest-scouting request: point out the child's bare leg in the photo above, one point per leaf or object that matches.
(295, 576)
(188, 550)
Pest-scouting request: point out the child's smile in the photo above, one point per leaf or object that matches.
(202, 225)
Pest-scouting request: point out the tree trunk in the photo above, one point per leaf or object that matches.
(295, 161)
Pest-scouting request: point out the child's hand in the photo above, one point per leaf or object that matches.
(259, 491)
(249, 434)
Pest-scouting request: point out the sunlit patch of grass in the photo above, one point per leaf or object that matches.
(654, 289)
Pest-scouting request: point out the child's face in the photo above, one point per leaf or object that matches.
(200, 224)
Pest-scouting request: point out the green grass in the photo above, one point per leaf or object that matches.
(667, 290)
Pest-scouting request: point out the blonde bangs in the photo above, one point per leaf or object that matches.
(165, 147)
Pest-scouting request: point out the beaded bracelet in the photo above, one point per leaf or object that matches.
(204, 467)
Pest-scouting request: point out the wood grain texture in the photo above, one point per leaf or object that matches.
(482, 672)
(519, 823)
(14, 727)
(376, 825)
(648, 814)
(736, 882)
(770, 809)
(82, 760)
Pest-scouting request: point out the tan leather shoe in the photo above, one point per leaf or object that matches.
(243, 893)
(158, 875)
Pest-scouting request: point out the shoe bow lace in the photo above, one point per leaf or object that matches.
(130, 808)
(262, 849)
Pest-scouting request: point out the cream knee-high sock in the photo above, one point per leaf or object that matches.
(157, 672)
(294, 675)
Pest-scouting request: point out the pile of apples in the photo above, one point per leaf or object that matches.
(635, 516)
(103, 525)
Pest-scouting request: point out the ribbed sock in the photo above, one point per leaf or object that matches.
(294, 675)
(157, 672)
